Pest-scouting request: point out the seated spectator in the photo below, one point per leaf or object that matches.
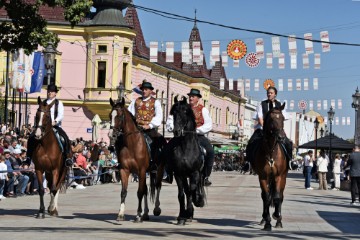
(3, 176)
(21, 179)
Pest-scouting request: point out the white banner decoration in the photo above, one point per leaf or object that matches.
(292, 45)
(29, 60)
(231, 84)
(282, 61)
(15, 62)
(281, 85)
(305, 61)
(306, 84)
(316, 84)
(318, 105)
(236, 63)
(292, 103)
(325, 120)
(324, 36)
(201, 58)
(269, 60)
(343, 121)
(332, 103)
(259, 43)
(311, 105)
(185, 52)
(247, 85)
(293, 61)
(348, 121)
(215, 51)
(196, 52)
(317, 61)
(298, 84)
(325, 105)
(275, 46)
(224, 59)
(154, 51)
(256, 85)
(170, 52)
(240, 84)
(309, 49)
(222, 83)
(336, 120)
(251, 60)
(339, 104)
(290, 85)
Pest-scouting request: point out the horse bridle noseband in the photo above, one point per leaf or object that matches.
(119, 131)
(41, 127)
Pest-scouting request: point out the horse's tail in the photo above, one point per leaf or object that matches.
(153, 175)
(272, 188)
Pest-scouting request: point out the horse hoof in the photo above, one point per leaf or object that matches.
(278, 225)
(181, 222)
(120, 218)
(54, 213)
(262, 222)
(267, 227)
(40, 216)
(189, 220)
(137, 219)
(145, 217)
(275, 217)
(157, 211)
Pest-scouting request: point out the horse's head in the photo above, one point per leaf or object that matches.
(184, 119)
(42, 118)
(117, 114)
(274, 123)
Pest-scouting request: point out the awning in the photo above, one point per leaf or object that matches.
(324, 143)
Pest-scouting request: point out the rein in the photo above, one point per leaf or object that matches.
(277, 141)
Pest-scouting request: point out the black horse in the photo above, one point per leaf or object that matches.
(185, 159)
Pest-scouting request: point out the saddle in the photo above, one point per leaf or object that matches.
(64, 144)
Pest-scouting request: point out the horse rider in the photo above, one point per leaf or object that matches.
(57, 116)
(148, 114)
(203, 127)
(264, 107)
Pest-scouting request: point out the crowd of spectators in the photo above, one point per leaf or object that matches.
(231, 162)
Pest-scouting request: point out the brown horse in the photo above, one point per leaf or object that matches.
(271, 166)
(47, 157)
(133, 157)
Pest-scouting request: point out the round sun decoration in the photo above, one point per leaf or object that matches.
(236, 49)
(268, 83)
(251, 60)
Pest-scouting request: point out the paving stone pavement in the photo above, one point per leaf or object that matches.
(233, 210)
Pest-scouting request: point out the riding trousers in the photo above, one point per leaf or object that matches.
(209, 156)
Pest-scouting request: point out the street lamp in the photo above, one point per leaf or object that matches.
(331, 114)
(316, 126)
(49, 58)
(120, 90)
(356, 104)
(322, 132)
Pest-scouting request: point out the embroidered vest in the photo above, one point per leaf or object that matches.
(265, 106)
(199, 119)
(144, 111)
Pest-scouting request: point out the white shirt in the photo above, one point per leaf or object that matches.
(259, 114)
(60, 115)
(307, 161)
(156, 120)
(3, 167)
(337, 165)
(202, 130)
(322, 164)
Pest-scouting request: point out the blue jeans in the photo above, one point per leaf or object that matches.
(2, 185)
(23, 181)
(307, 176)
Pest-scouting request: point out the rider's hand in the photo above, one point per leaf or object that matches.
(146, 127)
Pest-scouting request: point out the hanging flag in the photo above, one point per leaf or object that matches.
(185, 52)
(293, 61)
(240, 84)
(332, 102)
(317, 60)
(318, 105)
(339, 104)
(39, 70)
(15, 69)
(292, 103)
(170, 52)
(325, 120)
(215, 51)
(256, 85)
(196, 52)
(231, 84)
(269, 60)
(201, 58)
(298, 84)
(343, 121)
(154, 51)
(292, 45)
(348, 121)
(309, 48)
(259, 43)
(247, 85)
(311, 105)
(325, 105)
(236, 63)
(306, 84)
(336, 120)
(324, 36)
(305, 61)
(29, 71)
(222, 83)
(224, 59)
(282, 61)
(316, 84)
(281, 85)
(290, 85)
(275, 46)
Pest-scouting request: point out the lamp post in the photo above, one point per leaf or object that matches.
(316, 126)
(331, 114)
(355, 104)
(49, 58)
(322, 132)
(120, 90)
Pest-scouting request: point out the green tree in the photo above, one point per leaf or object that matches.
(27, 29)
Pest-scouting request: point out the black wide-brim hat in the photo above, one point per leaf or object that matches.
(194, 92)
(146, 85)
(52, 88)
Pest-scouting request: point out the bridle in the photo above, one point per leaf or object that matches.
(182, 130)
(117, 131)
(39, 124)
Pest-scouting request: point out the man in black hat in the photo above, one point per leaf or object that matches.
(148, 114)
(203, 127)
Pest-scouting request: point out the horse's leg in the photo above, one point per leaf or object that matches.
(39, 175)
(142, 190)
(159, 177)
(124, 175)
(190, 191)
(278, 200)
(52, 182)
(265, 195)
(196, 189)
(180, 181)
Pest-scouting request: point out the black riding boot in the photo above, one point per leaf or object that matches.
(289, 148)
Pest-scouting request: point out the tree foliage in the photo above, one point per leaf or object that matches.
(27, 29)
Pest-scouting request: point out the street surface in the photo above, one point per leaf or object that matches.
(233, 210)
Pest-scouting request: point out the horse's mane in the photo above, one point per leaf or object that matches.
(189, 112)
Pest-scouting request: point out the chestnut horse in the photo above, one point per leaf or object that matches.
(134, 157)
(271, 166)
(47, 157)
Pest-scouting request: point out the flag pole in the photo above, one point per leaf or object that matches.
(6, 110)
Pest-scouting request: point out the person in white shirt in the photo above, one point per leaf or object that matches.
(308, 165)
(204, 126)
(322, 164)
(337, 171)
(3, 176)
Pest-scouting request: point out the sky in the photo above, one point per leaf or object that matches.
(339, 74)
